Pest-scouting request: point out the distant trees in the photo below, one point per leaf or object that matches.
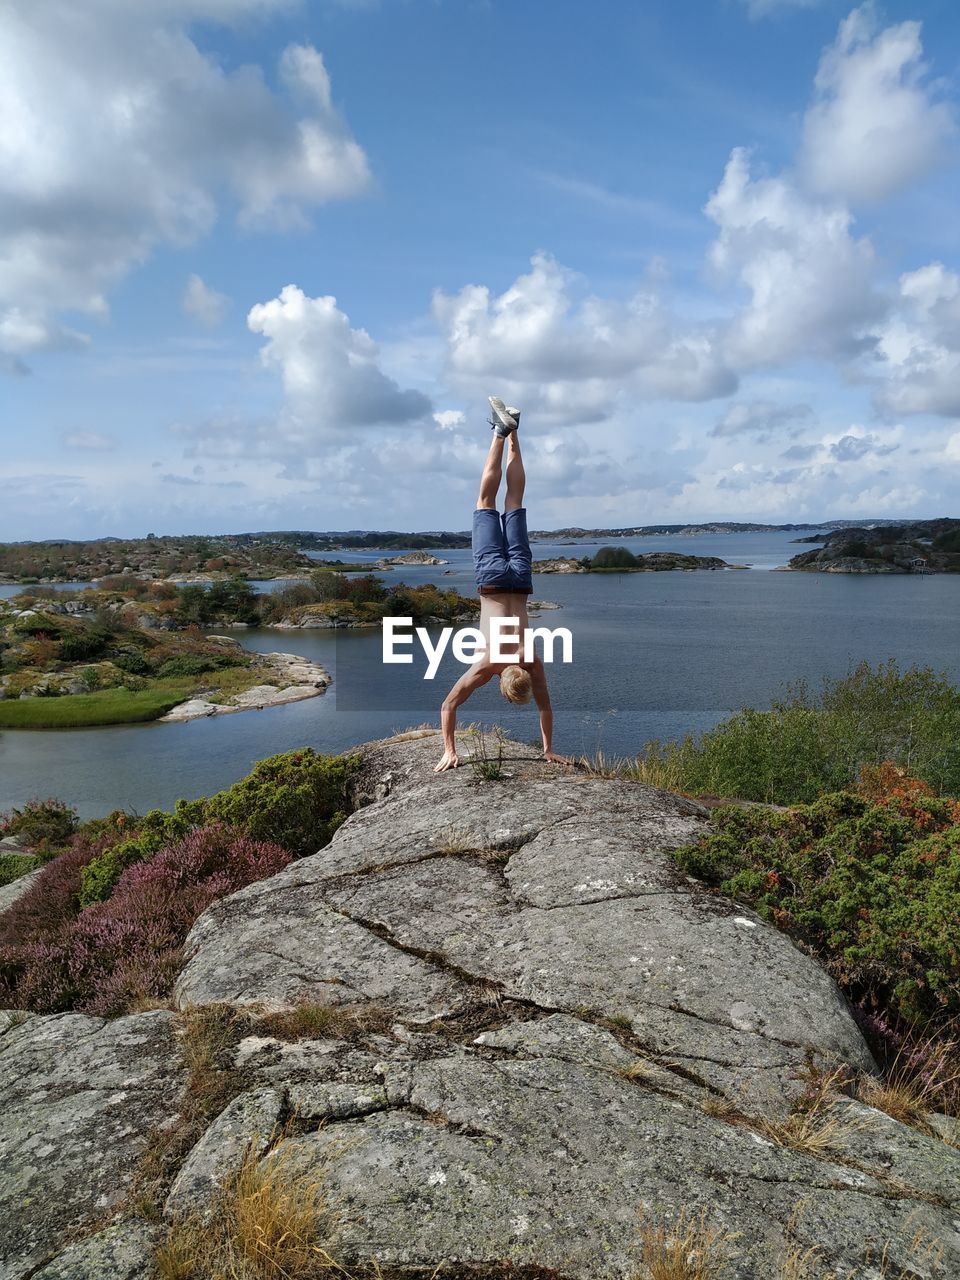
(614, 558)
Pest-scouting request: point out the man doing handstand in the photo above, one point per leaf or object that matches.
(502, 560)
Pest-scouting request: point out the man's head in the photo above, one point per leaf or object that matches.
(516, 685)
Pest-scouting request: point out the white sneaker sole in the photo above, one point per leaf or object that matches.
(505, 422)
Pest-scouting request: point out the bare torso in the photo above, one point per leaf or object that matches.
(505, 604)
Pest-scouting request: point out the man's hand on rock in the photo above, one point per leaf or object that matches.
(450, 760)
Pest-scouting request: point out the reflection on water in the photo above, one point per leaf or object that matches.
(655, 655)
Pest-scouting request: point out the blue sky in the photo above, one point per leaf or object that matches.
(262, 261)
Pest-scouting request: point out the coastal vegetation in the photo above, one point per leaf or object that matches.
(811, 742)
(102, 928)
(60, 669)
(131, 650)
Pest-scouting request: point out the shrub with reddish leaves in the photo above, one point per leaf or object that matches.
(54, 897)
(117, 954)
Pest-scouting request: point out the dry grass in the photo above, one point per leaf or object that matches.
(457, 840)
(269, 1222)
(639, 1069)
(688, 1248)
(411, 735)
(652, 772)
(208, 1035)
(311, 1021)
(923, 1077)
(812, 1127)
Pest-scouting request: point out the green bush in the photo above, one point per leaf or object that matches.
(872, 888)
(195, 664)
(15, 865)
(43, 624)
(43, 823)
(806, 745)
(78, 646)
(154, 831)
(296, 800)
(133, 663)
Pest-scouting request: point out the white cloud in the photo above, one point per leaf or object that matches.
(330, 372)
(811, 282)
(875, 125)
(547, 344)
(447, 419)
(762, 419)
(952, 450)
(118, 134)
(204, 304)
(919, 345)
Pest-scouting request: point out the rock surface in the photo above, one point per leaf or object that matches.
(10, 893)
(537, 1029)
(552, 891)
(79, 1097)
(306, 680)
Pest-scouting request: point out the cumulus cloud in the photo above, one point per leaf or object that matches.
(811, 282)
(875, 124)
(330, 372)
(919, 345)
(203, 304)
(547, 343)
(761, 418)
(119, 134)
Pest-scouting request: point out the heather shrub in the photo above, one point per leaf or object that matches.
(809, 744)
(153, 831)
(40, 823)
(871, 885)
(54, 897)
(119, 953)
(296, 799)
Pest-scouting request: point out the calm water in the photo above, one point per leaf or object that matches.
(656, 655)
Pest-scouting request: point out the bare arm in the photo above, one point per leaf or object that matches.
(471, 680)
(541, 694)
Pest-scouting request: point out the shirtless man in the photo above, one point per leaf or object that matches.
(501, 557)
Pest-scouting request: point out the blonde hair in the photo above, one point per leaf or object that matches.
(516, 685)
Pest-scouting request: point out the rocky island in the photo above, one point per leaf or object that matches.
(620, 560)
(489, 1006)
(920, 546)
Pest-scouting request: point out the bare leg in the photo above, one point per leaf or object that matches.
(490, 480)
(516, 476)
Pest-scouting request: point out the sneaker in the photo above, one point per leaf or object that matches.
(504, 420)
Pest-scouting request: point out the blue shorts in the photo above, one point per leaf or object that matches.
(501, 551)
